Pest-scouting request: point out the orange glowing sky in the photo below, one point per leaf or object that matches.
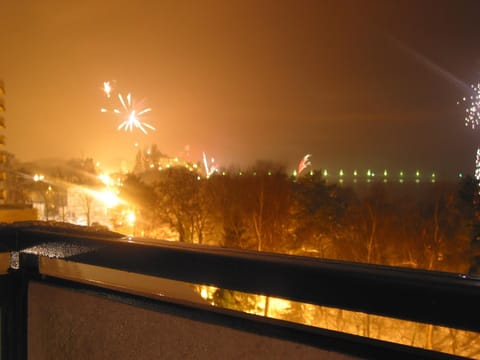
(354, 83)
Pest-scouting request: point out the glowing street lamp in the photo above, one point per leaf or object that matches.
(369, 175)
(108, 198)
(105, 179)
(131, 218)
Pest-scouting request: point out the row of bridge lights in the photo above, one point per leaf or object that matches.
(370, 175)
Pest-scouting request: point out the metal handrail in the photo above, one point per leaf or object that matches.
(424, 296)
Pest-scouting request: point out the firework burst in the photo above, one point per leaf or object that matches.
(472, 119)
(472, 110)
(129, 111)
(477, 165)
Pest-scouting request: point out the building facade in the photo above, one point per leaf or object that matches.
(3, 153)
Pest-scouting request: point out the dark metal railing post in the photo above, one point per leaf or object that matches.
(21, 315)
(14, 308)
(13, 299)
(4, 293)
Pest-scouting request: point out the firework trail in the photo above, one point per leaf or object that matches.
(129, 112)
(304, 163)
(209, 169)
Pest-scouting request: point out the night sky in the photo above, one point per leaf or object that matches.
(358, 84)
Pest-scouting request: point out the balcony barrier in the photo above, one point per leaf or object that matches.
(38, 260)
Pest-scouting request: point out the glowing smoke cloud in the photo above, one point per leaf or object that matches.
(128, 112)
(304, 163)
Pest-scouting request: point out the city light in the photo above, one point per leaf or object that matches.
(108, 198)
(130, 217)
(105, 179)
(38, 177)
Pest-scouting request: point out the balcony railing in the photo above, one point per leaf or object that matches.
(154, 272)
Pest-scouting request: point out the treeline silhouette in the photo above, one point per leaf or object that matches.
(425, 226)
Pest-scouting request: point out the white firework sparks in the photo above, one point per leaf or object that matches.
(472, 110)
(107, 88)
(477, 165)
(209, 169)
(129, 112)
(132, 115)
(304, 163)
(472, 119)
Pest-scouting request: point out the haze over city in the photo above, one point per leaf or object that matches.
(357, 84)
(239, 179)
